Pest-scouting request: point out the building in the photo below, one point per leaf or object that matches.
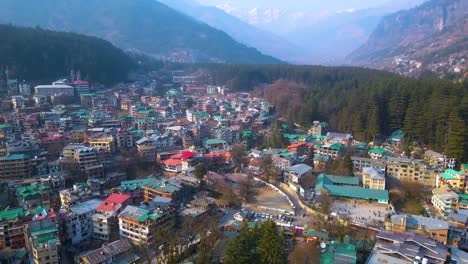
(318, 128)
(159, 188)
(140, 225)
(334, 150)
(373, 178)
(444, 200)
(426, 226)
(105, 219)
(79, 221)
(80, 155)
(453, 179)
(15, 167)
(57, 88)
(348, 187)
(117, 252)
(294, 175)
(339, 253)
(215, 144)
(81, 87)
(104, 142)
(80, 192)
(439, 160)
(34, 195)
(406, 248)
(11, 228)
(409, 170)
(42, 237)
(377, 153)
(24, 88)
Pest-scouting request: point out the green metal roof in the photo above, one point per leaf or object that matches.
(17, 157)
(378, 150)
(347, 187)
(315, 233)
(339, 253)
(144, 112)
(47, 230)
(11, 214)
(448, 176)
(214, 141)
(247, 133)
(31, 191)
(337, 146)
(5, 126)
(454, 172)
(160, 186)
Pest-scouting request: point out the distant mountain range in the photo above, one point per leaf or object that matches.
(142, 26)
(263, 40)
(322, 38)
(427, 37)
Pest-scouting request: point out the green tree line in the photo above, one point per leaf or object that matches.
(367, 103)
(35, 54)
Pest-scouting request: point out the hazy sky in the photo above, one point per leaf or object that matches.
(318, 5)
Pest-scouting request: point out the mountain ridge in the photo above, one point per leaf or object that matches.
(145, 26)
(424, 36)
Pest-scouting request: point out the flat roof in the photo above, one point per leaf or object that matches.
(87, 206)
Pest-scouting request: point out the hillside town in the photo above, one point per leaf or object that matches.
(169, 168)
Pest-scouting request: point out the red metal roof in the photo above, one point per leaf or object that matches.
(172, 162)
(184, 155)
(112, 201)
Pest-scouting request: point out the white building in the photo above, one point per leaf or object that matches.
(444, 200)
(79, 221)
(24, 88)
(57, 88)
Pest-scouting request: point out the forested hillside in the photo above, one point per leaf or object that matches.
(43, 55)
(367, 103)
(143, 26)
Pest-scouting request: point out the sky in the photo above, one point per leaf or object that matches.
(316, 5)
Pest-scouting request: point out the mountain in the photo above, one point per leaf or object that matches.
(241, 31)
(145, 26)
(432, 36)
(42, 55)
(323, 37)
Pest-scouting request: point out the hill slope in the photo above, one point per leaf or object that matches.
(145, 26)
(431, 33)
(42, 55)
(241, 31)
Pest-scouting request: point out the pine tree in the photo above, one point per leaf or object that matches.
(456, 136)
(271, 246)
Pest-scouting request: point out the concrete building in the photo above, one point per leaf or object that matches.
(34, 195)
(42, 238)
(159, 188)
(444, 200)
(117, 252)
(294, 175)
(426, 226)
(54, 90)
(410, 170)
(318, 128)
(141, 224)
(453, 179)
(104, 142)
(373, 178)
(105, 219)
(439, 160)
(25, 88)
(80, 192)
(11, 228)
(15, 167)
(79, 221)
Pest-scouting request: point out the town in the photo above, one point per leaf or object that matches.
(169, 168)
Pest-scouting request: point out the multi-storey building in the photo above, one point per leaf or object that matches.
(80, 192)
(119, 251)
(105, 219)
(57, 88)
(34, 195)
(453, 179)
(140, 225)
(426, 226)
(439, 160)
(373, 178)
(334, 150)
(159, 188)
(15, 167)
(11, 228)
(104, 142)
(444, 200)
(81, 155)
(410, 170)
(79, 221)
(42, 238)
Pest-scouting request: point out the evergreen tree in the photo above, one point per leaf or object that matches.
(199, 171)
(271, 246)
(457, 136)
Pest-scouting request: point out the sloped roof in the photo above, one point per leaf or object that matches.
(107, 252)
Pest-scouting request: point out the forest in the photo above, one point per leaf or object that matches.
(367, 103)
(43, 55)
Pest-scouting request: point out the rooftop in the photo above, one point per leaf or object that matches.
(139, 214)
(85, 207)
(416, 220)
(11, 214)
